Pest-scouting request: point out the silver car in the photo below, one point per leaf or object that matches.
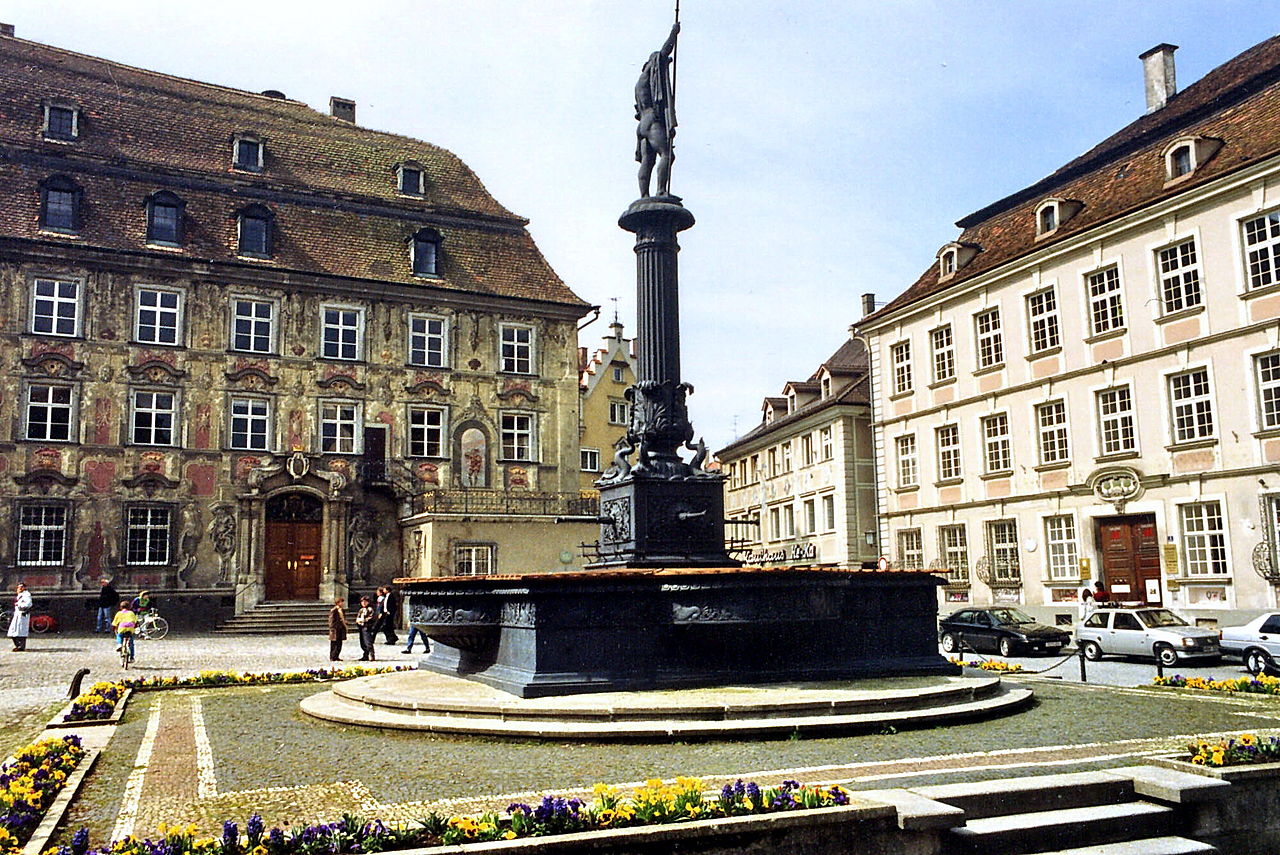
(1145, 632)
(1257, 643)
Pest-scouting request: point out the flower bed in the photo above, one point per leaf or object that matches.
(236, 678)
(988, 665)
(1261, 685)
(29, 784)
(97, 704)
(655, 803)
(1243, 750)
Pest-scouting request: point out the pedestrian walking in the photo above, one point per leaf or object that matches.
(124, 624)
(20, 623)
(387, 615)
(1100, 593)
(366, 623)
(108, 598)
(1086, 602)
(414, 634)
(337, 629)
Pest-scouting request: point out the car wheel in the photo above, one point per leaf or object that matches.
(1006, 647)
(950, 643)
(1092, 651)
(1166, 656)
(1257, 662)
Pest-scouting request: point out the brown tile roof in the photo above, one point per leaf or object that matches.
(850, 357)
(1238, 103)
(331, 184)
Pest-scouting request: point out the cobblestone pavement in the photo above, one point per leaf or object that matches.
(228, 753)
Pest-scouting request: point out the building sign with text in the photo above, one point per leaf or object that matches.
(782, 554)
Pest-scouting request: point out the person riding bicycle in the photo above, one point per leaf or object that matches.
(123, 624)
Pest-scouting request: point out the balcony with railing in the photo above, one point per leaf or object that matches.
(504, 502)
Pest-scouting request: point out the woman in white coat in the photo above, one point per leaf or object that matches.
(20, 623)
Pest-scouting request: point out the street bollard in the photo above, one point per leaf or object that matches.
(1084, 678)
(1159, 669)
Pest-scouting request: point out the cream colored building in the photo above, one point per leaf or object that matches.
(605, 375)
(801, 485)
(1086, 383)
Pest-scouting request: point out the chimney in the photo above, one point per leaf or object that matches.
(1157, 69)
(6, 30)
(868, 304)
(341, 108)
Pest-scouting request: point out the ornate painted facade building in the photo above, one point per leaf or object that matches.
(252, 347)
(1086, 383)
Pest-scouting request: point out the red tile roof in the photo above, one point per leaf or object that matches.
(1238, 103)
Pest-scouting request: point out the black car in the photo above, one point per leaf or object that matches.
(1001, 629)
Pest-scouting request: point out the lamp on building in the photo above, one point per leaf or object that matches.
(871, 537)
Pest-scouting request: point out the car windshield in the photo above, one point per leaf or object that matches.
(1161, 617)
(1010, 616)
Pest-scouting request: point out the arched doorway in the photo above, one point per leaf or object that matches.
(294, 522)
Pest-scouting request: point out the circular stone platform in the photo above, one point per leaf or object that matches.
(437, 703)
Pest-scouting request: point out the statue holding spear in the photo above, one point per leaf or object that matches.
(656, 114)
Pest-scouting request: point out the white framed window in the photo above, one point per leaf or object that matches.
(516, 349)
(806, 450)
(1116, 421)
(788, 520)
(908, 462)
(901, 356)
(1179, 267)
(755, 469)
(1267, 368)
(786, 457)
(61, 122)
(1273, 526)
(1060, 547)
(910, 549)
(1106, 300)
(55, 307)
(409, 179)
(147, 535)
(953, 543)
(825, 444)
(944, 354)
(340, 427)
(1262, 249)
(1042, 320)
(1180, 160)
(253, 325)
(775, 524)
(591, 461)
(341, 332)
(990, 339)
(1204, 539)
(250, 423)
(50, 412)
(1002, 546)
(828, 513)
(42, 535)
(1047, 218)
(153, 418)
(473, 559)
(1192, 403)
(247, 152)
(428, 335)
(426, 431)
(619, 412)
(158, 318)
(775, 469)
(947, 263)
(997, 451)
(810, 507)
(948, 437)
(517, 436)
(1051, 427)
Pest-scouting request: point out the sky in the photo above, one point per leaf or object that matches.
(825, 148)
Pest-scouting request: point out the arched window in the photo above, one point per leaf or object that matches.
(426, 252)
(164, 218)
(255, 232)
(60, 199)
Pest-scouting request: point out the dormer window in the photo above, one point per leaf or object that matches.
(410, 179)
(426, 252)
(1048, 218)
(947, 263)
(255, 227)
(61, 122)
(1052, 213)
(1184, 156)
(164, 219)
(60, 205)
(954, 256)
(247, 153)
(826, 387)
(791, 402)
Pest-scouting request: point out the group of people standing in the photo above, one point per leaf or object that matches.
(375, 615)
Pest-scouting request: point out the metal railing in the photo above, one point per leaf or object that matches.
(504, 502)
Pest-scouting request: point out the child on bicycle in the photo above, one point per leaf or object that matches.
(123, 624)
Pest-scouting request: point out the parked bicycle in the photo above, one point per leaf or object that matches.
(152, 627)
(40, 622)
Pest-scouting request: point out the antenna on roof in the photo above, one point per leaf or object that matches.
(615, 308)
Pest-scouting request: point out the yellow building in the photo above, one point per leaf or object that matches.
(605, 411)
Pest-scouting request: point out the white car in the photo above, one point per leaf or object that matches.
(1257, 643)
(1145, 631)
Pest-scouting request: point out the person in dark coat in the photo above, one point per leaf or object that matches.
(366, 623)
(108, 599)
(387, 615)
(337, 630)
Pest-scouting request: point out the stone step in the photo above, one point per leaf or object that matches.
(332, 707)
(1146, 846)
(981, 799)
(1043, 831)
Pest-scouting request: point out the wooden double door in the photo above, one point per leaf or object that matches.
(1130, 552)
(294, 526)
